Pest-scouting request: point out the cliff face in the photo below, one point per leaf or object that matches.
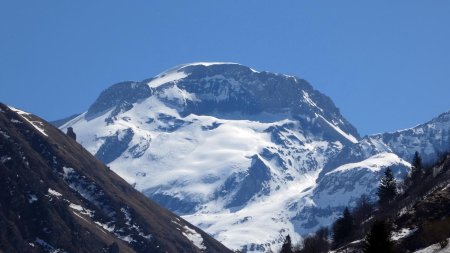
(56, 197)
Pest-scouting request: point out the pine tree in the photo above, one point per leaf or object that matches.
(342, 228)
(379, 239)
(387, 190)
(417, 168)
(417, 161)
(287, 245)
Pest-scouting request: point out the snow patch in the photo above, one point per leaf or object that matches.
(373, 163)
(175, 93)
(54, 193)
(112, 229)
(194, 237)
(36, 124)
(404, 232)
(67, 171)
(32, 198)
(349, 137)
(76, 207)
(166, 78)
(82, 210)
(310, 101)
(105, 226)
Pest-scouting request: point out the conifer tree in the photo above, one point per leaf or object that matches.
(387, 190)
(342, 228)
(417, 168)
(379, 239)
(287, 245)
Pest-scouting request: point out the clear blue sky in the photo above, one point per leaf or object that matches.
(386, 64)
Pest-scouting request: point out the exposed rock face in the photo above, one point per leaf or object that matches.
(56, 197)
(71, 133)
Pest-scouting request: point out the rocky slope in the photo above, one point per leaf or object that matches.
(56, 197)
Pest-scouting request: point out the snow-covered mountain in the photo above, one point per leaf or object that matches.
(247, 156)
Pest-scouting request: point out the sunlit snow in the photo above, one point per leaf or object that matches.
(36, 124)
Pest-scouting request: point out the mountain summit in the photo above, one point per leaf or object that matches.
(229, 89)
(247, 156)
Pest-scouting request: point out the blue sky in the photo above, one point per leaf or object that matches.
(386, 64)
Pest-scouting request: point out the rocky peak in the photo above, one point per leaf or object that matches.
(228, 90)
